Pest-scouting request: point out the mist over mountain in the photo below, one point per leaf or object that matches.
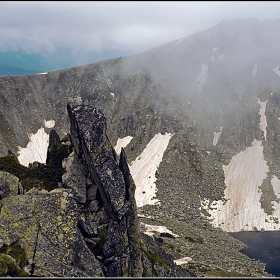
(215, 95)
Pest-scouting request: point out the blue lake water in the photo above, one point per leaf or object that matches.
(263, 246)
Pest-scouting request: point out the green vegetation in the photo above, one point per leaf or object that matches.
(155, 259)
(42, 176)
(13, 266)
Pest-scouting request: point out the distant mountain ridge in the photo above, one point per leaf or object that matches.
(7, 71)
(20, 63)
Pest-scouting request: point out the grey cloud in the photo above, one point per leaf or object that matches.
(131, 27)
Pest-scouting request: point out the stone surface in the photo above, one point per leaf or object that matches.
(122, 257)
(46, 223)
(53, 142)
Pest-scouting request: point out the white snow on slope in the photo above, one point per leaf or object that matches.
(244, 174)
(275, 182)
(276, 70)
(217, 136)
(121, 143)
(36, 149)
(151, 229)
(263, 122)
(49, 124)
(144, 167)
(243, 177)
(202, 77)
(255, 70)
(183, 261)
(215, 49)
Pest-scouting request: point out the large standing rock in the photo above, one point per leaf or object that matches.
(121, 251)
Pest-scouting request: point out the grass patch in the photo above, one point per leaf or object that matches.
(155, 259)
(42, 176)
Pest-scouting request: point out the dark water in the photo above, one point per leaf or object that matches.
(263, 246)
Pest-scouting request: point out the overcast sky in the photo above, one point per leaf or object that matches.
(120, 27)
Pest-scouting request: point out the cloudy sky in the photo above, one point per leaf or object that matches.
(92, 30)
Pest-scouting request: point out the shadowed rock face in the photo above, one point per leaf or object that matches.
(88, 135)
(89, 127)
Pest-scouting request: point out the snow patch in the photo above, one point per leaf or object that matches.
(263, 122)
(121, 143)
(255, 70)
(49, 124)
(276, 70)
(275, 182)
(222, 55)
(241, 209)
(43, 73)
(151, 230)
(144, 167)
(36, 149)
(183, 261)
(202, 77)
(215, 49)
(112, 94)
(217, 136)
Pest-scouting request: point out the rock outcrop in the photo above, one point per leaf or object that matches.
(121, 250)
(89, 226)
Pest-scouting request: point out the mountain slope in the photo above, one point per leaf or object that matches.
(216, 92)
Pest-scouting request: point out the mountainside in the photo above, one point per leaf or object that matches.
(198, 119)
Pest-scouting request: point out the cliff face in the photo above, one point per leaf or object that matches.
(87, 228)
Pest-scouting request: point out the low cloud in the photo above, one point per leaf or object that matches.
(129, 27)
